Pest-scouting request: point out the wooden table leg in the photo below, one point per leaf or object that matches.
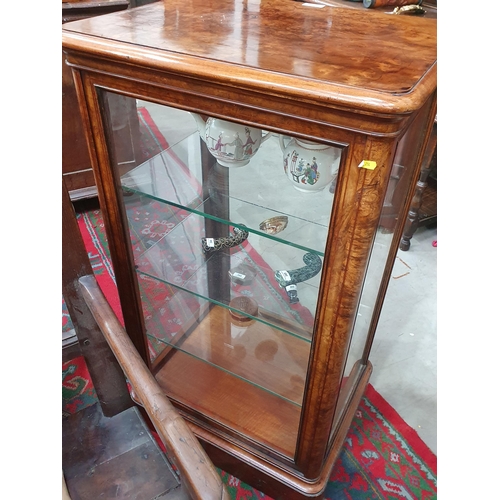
(413, 220)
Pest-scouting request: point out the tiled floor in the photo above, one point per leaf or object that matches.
(403, 354)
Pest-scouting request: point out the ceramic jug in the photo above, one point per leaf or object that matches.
(309, 166)
(231, 144)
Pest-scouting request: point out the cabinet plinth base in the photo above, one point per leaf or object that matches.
(278, 483)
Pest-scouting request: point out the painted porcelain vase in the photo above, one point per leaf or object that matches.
(231, 144)
(309, 166)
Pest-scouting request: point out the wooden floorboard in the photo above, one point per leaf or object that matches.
(113, 457)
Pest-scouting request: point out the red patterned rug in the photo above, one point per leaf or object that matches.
(383, 458)
(77, 388)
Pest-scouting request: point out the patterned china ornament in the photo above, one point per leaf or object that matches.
(231, 144)
(309, 166)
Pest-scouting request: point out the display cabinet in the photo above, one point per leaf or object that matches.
(248, 249)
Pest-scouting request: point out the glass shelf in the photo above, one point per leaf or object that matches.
(252, 351)
(195, 301)
(179, 261)
(174, 176)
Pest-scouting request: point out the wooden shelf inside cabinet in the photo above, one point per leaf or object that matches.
(239, 371)
(259, 334)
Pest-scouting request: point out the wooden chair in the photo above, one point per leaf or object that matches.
(111, 356)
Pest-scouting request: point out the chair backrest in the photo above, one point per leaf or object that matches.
(198, 475)
(105, 371)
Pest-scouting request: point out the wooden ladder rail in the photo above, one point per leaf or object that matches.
(197, 473)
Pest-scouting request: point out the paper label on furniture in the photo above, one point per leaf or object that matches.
(285, 275)
(210, 242)
(239, 275)
(368, 164)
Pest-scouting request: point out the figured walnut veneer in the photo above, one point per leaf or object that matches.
(357, 79)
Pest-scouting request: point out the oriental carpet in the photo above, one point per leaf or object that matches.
(382, 457)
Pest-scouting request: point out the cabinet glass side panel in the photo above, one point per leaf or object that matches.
(228, 234)
(380, 263)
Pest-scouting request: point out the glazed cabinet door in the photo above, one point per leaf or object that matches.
(250, 265)
(227, 227)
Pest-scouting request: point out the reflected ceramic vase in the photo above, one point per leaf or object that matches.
(309, 166)
(231, 144)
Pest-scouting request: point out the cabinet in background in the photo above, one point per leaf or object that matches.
(76, 165)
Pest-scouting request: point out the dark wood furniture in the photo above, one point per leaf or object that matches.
(423, 208)
(88, 341)
(108, 449)
(271, 400)
(76, 165)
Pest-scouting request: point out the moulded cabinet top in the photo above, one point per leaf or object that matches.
(347, 56)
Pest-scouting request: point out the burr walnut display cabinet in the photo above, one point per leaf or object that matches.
(247, 248)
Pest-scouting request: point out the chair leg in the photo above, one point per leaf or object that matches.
(412, 221)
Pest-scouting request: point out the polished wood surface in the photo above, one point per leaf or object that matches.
(336, 75)
(198, 475)
(231, 404)
(341, 56)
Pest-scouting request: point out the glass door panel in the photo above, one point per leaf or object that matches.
(228, 235)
